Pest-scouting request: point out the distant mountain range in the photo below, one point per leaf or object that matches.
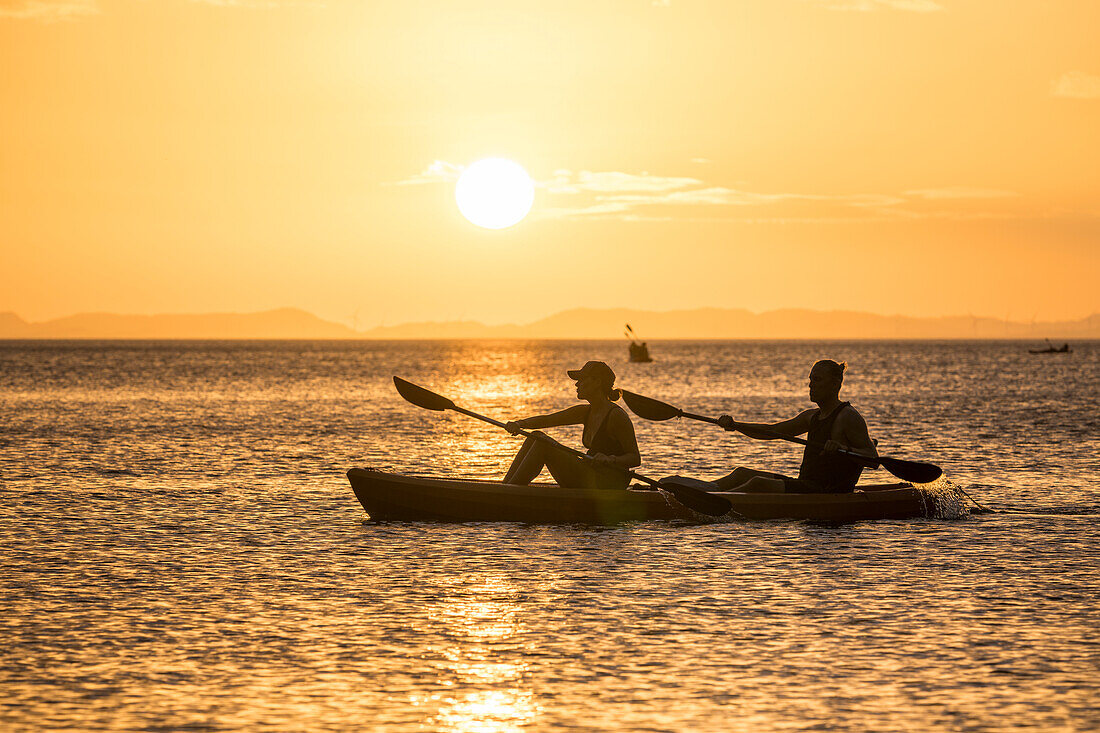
(284, 323)
(579, 323)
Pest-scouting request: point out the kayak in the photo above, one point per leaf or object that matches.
(389, 497)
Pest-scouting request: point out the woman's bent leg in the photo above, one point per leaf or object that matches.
(527, 464)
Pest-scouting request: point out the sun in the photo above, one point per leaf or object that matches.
(494, 193)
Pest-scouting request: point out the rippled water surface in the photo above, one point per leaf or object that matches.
(181, 550)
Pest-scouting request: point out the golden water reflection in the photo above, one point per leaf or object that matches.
(491, 711)
(484, 662)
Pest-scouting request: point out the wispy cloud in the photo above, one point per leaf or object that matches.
(564, 181)
(614, 193)
(866, 6)
(648, 197)
(960, 192)
(438, 171)
(1076, 84)
(48, 11)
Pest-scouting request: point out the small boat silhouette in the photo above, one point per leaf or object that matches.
(1051, 349)
(639, 352)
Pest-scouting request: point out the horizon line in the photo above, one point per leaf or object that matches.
(447, 321)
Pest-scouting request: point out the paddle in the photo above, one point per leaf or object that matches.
(689, 492)
(913, 471)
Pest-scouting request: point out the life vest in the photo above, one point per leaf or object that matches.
(828, 468)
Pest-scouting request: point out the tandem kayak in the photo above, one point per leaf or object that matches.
(388, 496)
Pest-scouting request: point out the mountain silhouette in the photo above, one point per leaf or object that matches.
(721, 323)
(578, 323)
(283, 323)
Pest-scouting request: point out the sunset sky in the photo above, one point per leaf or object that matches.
(916, 157)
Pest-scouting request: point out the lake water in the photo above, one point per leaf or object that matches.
(181, 549)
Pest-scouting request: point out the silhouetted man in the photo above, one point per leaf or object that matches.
(833, 423)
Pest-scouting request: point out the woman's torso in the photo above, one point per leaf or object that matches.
(598, 436)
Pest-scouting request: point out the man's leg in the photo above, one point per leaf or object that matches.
(741, 476)
(771, 484)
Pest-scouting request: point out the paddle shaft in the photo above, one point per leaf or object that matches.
(556, 444)
(907, 470)
(781, 436)
(696, 498)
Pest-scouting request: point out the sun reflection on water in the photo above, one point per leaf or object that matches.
(490, 711)
(482, 619)
(504, 390)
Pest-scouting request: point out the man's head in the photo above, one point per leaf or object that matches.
(826, 376)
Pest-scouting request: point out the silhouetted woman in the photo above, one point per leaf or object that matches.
(608, 435)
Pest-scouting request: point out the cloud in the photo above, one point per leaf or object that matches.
(1077, 85)
(438, 171)
(612, 182)
(614, 193)
(866, 6)
(960, 192)
(720, 196)
(646, 197)
(48, 11)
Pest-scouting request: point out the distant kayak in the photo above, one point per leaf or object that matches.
(1064, 349)
(639, 353)
(387, 496)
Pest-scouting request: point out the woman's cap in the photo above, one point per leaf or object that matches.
(596, 369)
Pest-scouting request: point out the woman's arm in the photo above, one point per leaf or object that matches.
(569, 416)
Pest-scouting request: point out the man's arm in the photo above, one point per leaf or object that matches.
(856, 438)
(797, 425)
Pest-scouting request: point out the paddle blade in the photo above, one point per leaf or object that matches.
(422, 397)
(649, 408)
(692, 494)
(911, 471)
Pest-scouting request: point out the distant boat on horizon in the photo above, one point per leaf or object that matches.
(1051, 349)
(639, 352)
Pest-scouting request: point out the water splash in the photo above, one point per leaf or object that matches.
(943, 499)
(695, 517)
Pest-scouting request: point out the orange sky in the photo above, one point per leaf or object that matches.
(897, 156)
